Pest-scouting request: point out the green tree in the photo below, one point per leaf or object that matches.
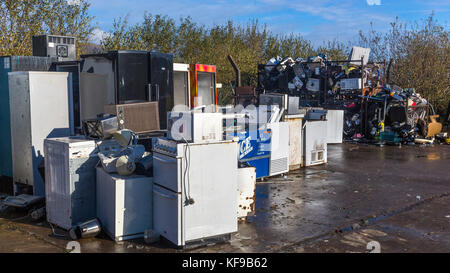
(22, 19)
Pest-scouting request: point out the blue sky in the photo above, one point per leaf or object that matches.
(317, 20)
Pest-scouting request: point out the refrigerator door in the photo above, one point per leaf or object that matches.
(335, 126)
(74, 70)
(167, 220)
(161, 80)
(181, 88)
(212, 185)
(132, 76)
(206, 82)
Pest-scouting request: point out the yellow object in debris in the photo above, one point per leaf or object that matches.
(447, 140)
(434, 127)
(381, 124)
(348, 69)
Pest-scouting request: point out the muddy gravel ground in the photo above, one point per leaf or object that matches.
(367, 198)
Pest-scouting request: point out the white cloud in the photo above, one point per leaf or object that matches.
(373, 2)
(74, 2)
(340, 19)
(97, 35)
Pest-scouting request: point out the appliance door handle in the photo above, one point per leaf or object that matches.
(157, 92)
(164, 160)
(173, 197)
(149, 90)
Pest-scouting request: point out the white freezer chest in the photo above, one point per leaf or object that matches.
(70, 180)
(39, 103)
(315, 142)
(124, 204)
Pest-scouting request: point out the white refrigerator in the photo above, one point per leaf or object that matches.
(194, 191)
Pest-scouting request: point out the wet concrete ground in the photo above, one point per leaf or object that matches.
(396, 196)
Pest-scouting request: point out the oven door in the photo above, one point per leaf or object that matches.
(167, 171)
(167, 220)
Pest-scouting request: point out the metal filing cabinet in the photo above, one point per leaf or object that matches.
(70, 180)
(41, 110)
(12, 64)
(124, 204)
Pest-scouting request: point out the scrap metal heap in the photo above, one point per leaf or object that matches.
(375, 112)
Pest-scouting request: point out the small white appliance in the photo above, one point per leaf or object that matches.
(124, 204)
(315, 142)
(194, 126)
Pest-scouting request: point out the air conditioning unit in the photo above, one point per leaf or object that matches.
(62, 47)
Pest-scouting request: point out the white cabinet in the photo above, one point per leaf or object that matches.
(124, 204)
(315, 142)
(70, 180)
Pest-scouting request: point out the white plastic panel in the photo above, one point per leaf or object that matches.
(335, 126)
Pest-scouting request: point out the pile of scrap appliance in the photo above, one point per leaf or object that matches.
(127, 143)
(374, 111)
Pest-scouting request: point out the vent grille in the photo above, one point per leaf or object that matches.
(279, 165)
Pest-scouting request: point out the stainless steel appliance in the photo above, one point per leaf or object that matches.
(194, 191)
